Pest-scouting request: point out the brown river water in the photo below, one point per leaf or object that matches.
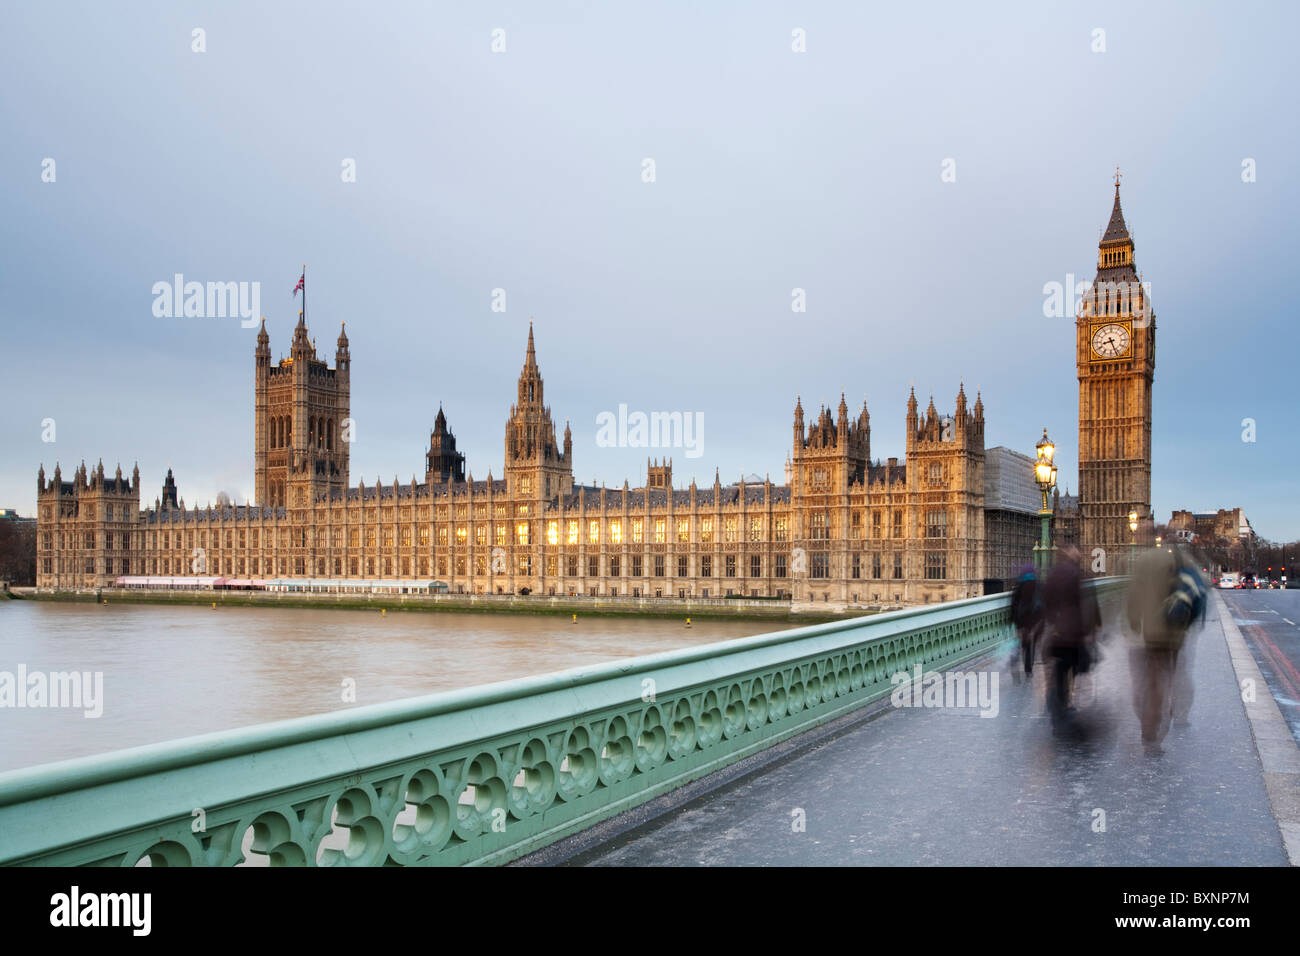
(172, 672)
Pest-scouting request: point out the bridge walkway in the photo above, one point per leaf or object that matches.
(923, 786)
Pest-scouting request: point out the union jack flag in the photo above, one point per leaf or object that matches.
(300, 287)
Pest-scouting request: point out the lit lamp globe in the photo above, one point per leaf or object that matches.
(1044, 470)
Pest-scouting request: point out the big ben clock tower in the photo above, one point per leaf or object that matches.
(1116, 356)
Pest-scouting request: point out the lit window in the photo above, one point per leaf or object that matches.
(593, 532)
(638, 530)
(683, 531)
(573, 531)
(706, 530)
(616, 532)
(521, 532)
(552, 532)
(660, 530)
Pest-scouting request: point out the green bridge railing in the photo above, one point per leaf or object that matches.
(476, 776)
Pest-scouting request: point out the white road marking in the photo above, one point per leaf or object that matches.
(1289, 621)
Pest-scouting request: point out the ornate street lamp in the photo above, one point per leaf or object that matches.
(1132, 539)
(1045, 477)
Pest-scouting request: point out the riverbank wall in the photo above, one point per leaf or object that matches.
(737, 609)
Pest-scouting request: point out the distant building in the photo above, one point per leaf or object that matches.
(1067, 520)
(1011, 503)
(1226, 524)
(17, 548)
(844, 528)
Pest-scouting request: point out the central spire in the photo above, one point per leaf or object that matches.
(530, 378)
(1116, 229)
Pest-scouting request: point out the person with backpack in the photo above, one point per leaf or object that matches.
(1167, 595)
(1027, 616)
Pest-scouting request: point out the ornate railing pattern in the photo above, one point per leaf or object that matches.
(482, 775)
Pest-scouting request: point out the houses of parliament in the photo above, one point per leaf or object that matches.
(841, 528)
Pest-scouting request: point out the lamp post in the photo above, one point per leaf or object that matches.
(1132, 539)
(1045, 476)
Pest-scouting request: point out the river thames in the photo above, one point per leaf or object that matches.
(172, 672)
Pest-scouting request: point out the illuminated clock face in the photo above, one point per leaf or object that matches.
(1110, 341)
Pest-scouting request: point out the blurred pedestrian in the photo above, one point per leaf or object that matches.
(1072, 616)
(1027, 616)
(1167, 595)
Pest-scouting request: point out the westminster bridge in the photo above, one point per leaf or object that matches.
(796, 747)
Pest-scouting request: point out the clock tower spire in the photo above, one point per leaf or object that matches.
(1115, 336)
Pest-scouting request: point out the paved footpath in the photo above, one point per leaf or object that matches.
(948, 787)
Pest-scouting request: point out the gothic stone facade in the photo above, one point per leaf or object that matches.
(1116, 358)
(843, 529)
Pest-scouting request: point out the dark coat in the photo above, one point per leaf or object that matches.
(1072, 613)
(1026, 609)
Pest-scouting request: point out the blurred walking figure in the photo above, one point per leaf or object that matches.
(1027, 616)
(1072, 616)
(1166, 597)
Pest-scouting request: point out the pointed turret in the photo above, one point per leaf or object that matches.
(342, 353)
(1116, 228)
(263, 351)
(1114, 261)
(301, 345)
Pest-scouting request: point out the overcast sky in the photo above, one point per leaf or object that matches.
(523, 170)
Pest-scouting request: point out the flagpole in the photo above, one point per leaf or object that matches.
(304, 293)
